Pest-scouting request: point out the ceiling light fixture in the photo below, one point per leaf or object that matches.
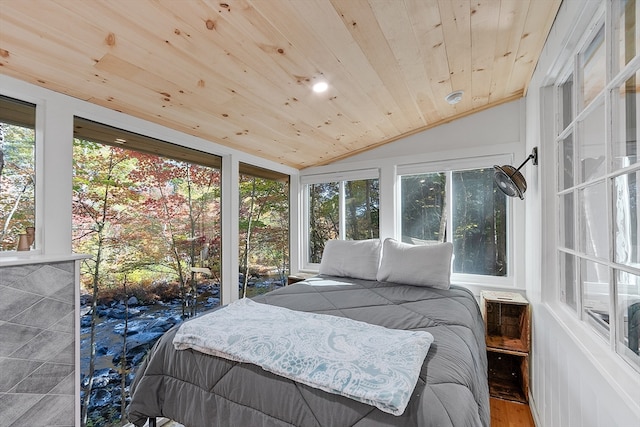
(454, 97)
(510, 180)
(320, 87)
(120, 140)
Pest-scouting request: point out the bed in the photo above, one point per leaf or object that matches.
(197, 389)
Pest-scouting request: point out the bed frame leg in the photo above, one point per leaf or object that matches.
(152, 422)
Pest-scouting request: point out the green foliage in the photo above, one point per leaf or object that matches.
(324, 221)
(361, 213)
(160, 213)
(478, 212)
(479, 224)
(17, 183)
(263, 222)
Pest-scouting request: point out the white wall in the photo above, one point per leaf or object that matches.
(497, 126)
(576, 380)
(497, 134)
(54, 135)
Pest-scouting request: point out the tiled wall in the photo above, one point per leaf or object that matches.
(37, 345)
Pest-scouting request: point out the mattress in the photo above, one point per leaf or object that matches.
(196, 389)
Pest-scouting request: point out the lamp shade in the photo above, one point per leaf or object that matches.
(509, 179)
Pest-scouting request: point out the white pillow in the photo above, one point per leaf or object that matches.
(351, 258)
(418, 265)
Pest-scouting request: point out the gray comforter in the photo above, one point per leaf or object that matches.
(196, 389)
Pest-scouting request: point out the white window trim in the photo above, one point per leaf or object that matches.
(353, 175)
(305, 181)
(471, 280)
(39, 192)
(603, 350)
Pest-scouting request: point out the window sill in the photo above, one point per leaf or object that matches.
(35, 257)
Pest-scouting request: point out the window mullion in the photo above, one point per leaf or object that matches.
(449, 206)
(342, 211)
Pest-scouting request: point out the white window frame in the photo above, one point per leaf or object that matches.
(613, 79)
(39, 216)
(453, 165)
(341, 178)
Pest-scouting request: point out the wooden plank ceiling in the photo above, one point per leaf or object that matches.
(239, 73)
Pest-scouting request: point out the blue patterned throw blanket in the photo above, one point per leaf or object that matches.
(368, 363)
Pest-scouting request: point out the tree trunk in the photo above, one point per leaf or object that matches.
(96, 279)
(192, 224)
(1, 147)
(174, 251)
(246, 242)
(123, 361)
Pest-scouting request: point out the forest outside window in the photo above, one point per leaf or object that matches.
(263, 223)
(149, 214)
(17, 171)
(338, 208)
(461, 206)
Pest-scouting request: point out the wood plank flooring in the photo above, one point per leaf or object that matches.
(510, 414)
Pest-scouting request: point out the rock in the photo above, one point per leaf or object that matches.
(138, 343)
(101, 350)
(104, 377)
(85, 321)
(116, 313)
(101, 397)
(211, 302)
(102, 310)
(132, 301)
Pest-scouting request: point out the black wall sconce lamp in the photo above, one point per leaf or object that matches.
(510, 180)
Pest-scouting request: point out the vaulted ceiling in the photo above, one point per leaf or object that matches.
(240, 73)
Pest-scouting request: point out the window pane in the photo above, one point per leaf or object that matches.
(152, 227)
(568, 279)
(17, 172)
(264, 233)
(626, 220)
(595, 298)
(629, 315)
(479, 229)
(362, 209)
(628, 30)
(594, 236)
(566, 100)
(626, 118)
(324, 217)
(565, 165)
(479, 224)
(592, 145)
(593, 69)
(423, 208)
(567, 219)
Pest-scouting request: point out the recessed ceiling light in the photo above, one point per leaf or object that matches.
(320, 87)
(454, 97)
(120, 140)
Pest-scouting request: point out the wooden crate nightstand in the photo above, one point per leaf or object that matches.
(507, 318)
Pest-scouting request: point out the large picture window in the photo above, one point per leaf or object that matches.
(461, 206)
(264, 230)
(149, 214)
(597, 182)
(17, 173)
(338, 208)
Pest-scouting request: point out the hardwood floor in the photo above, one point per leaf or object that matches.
(510, 414)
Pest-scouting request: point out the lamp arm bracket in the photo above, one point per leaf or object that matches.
(533, 156)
